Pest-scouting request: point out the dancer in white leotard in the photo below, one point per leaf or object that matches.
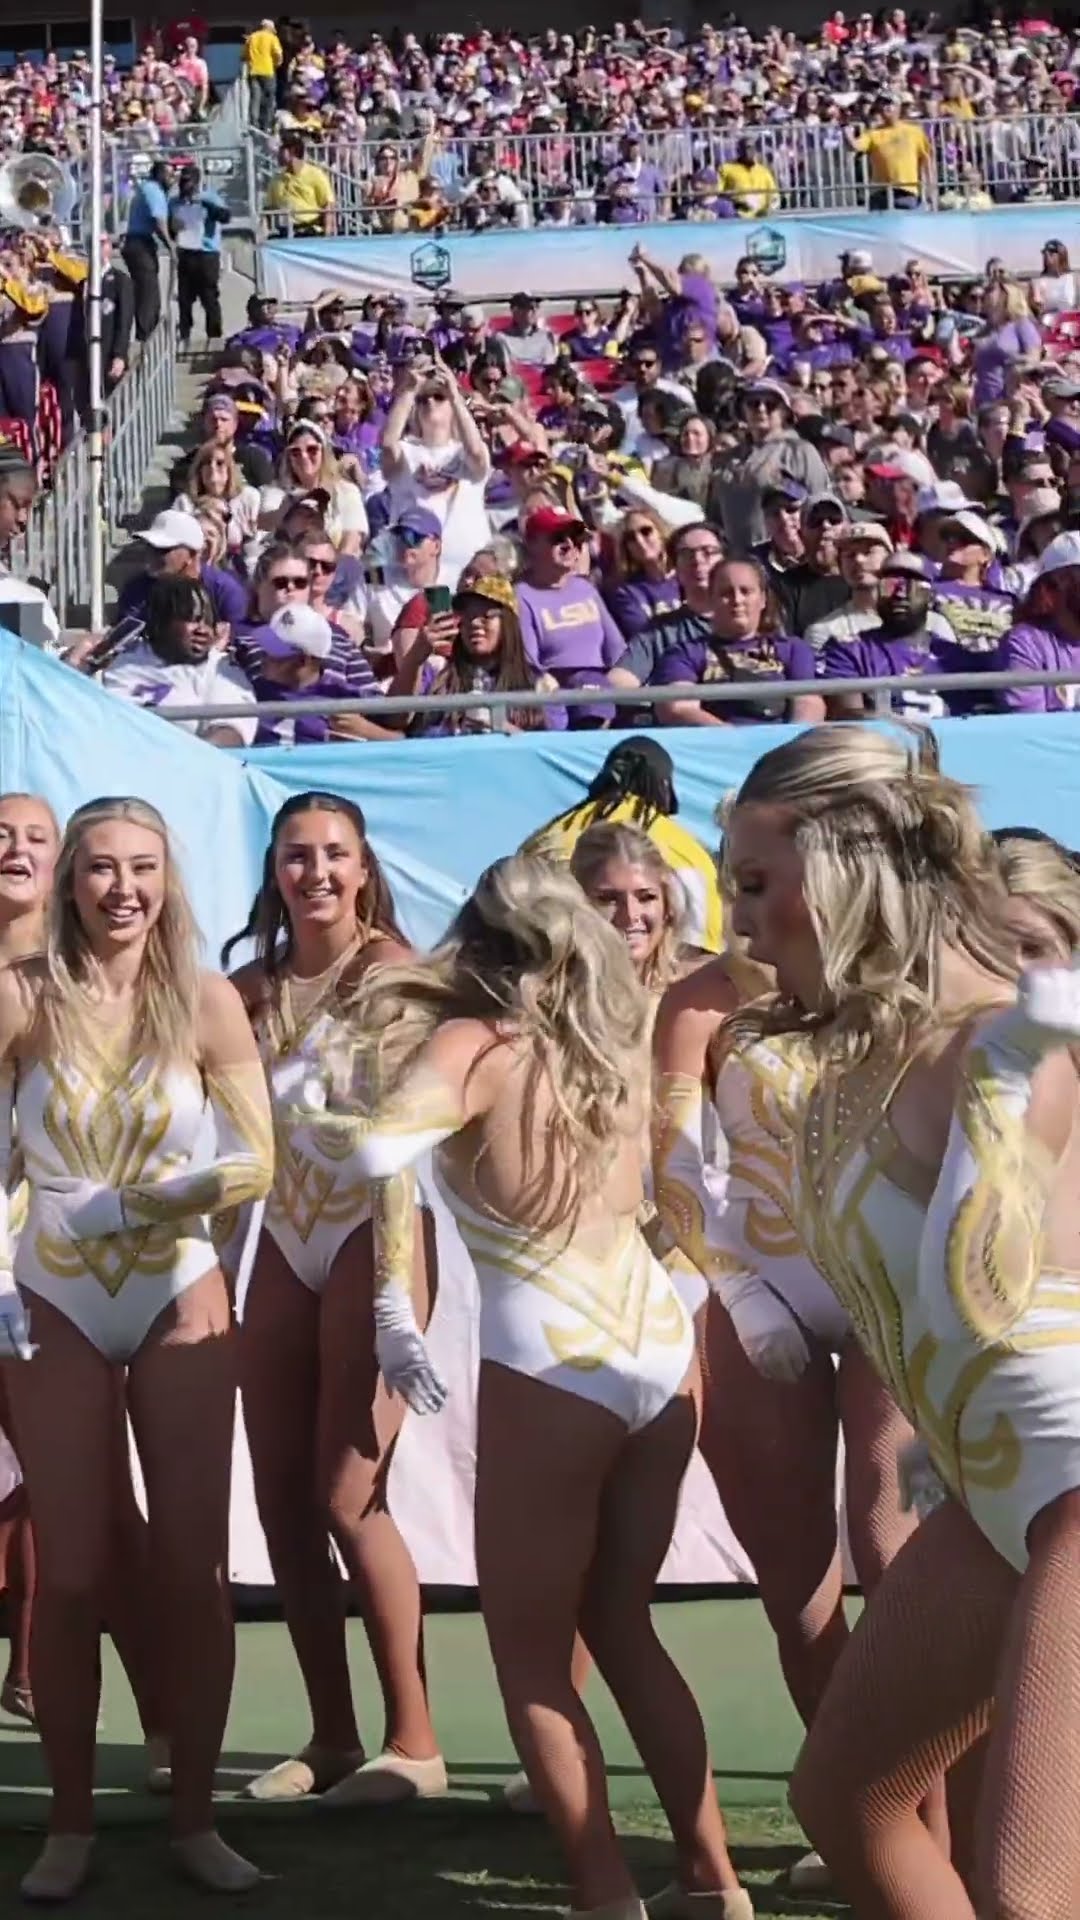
(321, 1427)
(516, 1052)
(29, 848)
(110, 1049)
(938, 1161)
(783, 1376)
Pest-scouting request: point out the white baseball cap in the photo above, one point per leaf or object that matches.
(1063, 551)
(1042, 504)
(173, 529)
(945, 496)
(297, 630)
(974, 525)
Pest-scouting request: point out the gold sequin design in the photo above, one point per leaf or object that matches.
(610, 1297)
(239, 1098)
(106, 1128)
(993, 1253)
(990, 1460)
(677, 1118)
(762, 1160)
(422, 1104)
(393, 1221)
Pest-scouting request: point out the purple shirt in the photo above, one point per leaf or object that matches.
(995, 353)
(569, 633)
(704, 662)
(306, 729)
(872, 657)
(634, 603)
(978, 616)
(1027, 649)
(228, 596)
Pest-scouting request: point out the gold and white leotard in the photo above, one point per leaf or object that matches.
(316, 1202)
(591, 1312)
(724, 1171)
(116, 1142)
(943, 1277)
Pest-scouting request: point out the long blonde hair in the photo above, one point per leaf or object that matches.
(611, 840)
(896, 868)
(167, 992)
(1037, 868)
(527, 949)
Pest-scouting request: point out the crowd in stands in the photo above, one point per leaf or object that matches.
(689, 488)
(481, 129)
(45, 106)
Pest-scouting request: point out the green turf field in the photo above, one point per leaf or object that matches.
(458, 1859)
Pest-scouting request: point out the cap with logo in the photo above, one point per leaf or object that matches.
(296, 630)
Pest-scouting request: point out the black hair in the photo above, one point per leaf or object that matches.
(173, 597)
(268, 923)
(637, 769)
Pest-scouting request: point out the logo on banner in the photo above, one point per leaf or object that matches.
(768, 249)
(429, 266)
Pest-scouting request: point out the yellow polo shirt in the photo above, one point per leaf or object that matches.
(263, 54)
(753, 189)
(305, 194)
(897, 155)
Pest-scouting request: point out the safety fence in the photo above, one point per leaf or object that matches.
(591, 178)
(880, 687)
(56, 548)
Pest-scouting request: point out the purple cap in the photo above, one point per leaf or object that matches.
(1062, 433)
(425, 525)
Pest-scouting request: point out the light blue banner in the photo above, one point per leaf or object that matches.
(438, 811)
(593, 260)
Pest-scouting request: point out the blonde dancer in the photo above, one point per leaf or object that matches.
(627, 878)
(321, 1426)
(938, 1149)
(515, 1052)
(110, 1048)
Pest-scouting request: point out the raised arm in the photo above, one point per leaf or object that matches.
(692, 1175)
(982, 1243)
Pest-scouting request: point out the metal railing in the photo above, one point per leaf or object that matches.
(1016, 160)
(56, 549)
(710, 694)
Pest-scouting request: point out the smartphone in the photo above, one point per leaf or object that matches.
(439, 600)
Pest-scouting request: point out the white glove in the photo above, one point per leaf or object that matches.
(769, 1334)
(83, 1209)
(402, 1355)
(14, 1329)
(1046, 1015)
(921, 1486)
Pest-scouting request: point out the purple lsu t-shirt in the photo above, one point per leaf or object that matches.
(871, 657)
(1027, 649)
(569, 633)
(704, 662)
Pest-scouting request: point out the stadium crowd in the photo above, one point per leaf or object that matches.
(693, 486)
(45, 106)
(482, 129)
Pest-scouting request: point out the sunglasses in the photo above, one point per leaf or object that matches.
(323, 566)
(409, 538)
(284, 581)
(646, 365)
(307, 449)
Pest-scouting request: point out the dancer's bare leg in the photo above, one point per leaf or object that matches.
(131, 1604)
(279, 1348)
(182, 1394)
(636, 1522)
(875, 1431)
(1028, 1839)
(771, 1449)
(543, 1459)
(19, 1560)
(910, 1696)
(358, 1425)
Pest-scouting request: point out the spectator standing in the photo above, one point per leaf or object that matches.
(147, 234)
(900, 159)
(748, 183)
(434, 457)
(567, 629)
(301, 190)
(813, 588)
(262, 59)
(117, 325)
(527, 339)
(196, 218)
(768, 453)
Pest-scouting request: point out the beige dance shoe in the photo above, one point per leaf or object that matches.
(388, 1780)
(519, 1796)
(60, 1871)
(204, 1859)
(673, 1904)
(18, 1702)
(313, 1771)
(158, 1763)
(810, 1875)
